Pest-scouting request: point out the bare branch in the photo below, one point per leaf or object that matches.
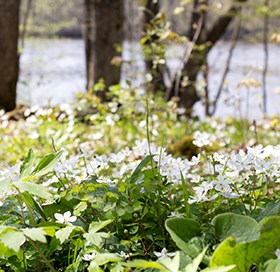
(235, 36)
(265, 43)
(220, 25)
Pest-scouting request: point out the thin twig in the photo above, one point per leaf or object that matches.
(265, 43)
(25, 21)
(187, 53)
(234, 40)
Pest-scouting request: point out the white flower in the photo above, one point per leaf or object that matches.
(176, 215)
(89, 257)
(241, 161)
(201, 139)
(201, 193)
(164, 254)
(277, 253)
(195, 160)
(222, 185)
(142, 148)
(65, 218)
(209, 169)
(262, 166)
(123, 254)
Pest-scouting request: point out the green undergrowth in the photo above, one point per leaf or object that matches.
(134, 185)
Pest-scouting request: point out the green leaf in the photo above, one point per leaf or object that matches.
(96, 238)
(242, 228)
(219, 268)
(224, 254)
(33, 189)
(245, 254)
(145, 264)
(12, 239)
(81, 207)
(35, 234)
(171, 264)
(270, 210)
(26, 167)
(270, 238)
(63, 234)
(6, 185)
(31, 202)
(193, 267)
(181, 231)
(93, 267)
(96, 226)
(46, 164)
(272, 266)
(104, 258)
(50, 230)
(117, 268)
(137, 172)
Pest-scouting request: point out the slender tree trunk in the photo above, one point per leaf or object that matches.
(186, 89)
(103, 34)
(9, 58)
(195, 58)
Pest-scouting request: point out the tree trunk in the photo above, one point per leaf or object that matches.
(9, 58)
(186, 90)
(103, 33)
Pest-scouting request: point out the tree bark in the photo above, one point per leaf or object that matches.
(9, 58)
(103, 33)
(195, 60)
(198, 57)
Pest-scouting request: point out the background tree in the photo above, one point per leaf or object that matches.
(203, 31)
(103, 34)
(9, 58)
(152, 22)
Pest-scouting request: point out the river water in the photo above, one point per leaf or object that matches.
(53, 71)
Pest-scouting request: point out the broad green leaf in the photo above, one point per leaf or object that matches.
(193, 267)
(104, 258)
(27, 165)
(171, 264)
(33, 189)
(242, 228)
(137, 172)
(96, 238)
(146, 264)
(245, 254)
(270, 238)
(31, 202)
(272, 266)
(50, 230)
(96, 226)
(224, 254)
(5, 186)
(81, 207)
(12, 239)
(219, 269)
(93, 267)
(270, 210)
(46, 164)
(181, 231)
(35, 234)
(63, 234)
(117, 268)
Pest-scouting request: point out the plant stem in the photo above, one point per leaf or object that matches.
(42, 255)
(30, 212)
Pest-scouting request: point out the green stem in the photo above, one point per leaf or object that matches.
(42, 256)
(22, 198)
